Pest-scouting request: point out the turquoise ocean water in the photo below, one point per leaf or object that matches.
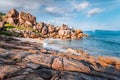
(99, 43)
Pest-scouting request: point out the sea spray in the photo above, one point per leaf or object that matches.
(51, 44)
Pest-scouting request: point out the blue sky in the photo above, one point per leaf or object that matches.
(83, 14)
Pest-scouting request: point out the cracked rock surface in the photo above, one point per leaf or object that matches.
(29, 61)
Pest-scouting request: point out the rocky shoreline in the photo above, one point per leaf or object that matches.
(30, 61)
(26, 59)
(23, 24)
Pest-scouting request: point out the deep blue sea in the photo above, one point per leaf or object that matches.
(99, 43)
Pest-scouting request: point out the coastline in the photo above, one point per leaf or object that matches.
(26, 55)
(25, 58)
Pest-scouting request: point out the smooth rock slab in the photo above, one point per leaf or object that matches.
(42, 59)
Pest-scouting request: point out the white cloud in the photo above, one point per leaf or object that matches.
(6, 5)
(80, 6)
(53, 10)
(95, 11)
(59, 11)
(23, 4)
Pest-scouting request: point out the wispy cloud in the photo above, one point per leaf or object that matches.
(95, 11)
(54, 10)
(23, 4)
(80, 6)
(6, 5)
(59, 11)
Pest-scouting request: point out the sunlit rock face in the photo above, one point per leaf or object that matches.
(35, 29)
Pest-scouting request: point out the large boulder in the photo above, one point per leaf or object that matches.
(26, 19)
(78, 31)
(64, 32)
(39, 26)
(12, 13)
(51, 28)
(45, 30)
(11, 17)
(67, 64)
(12, 20)
(64, 27)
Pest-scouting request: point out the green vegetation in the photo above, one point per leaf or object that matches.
(5, 30)
(7, 33)
(9, 30)
(2, 14)
(9, 26)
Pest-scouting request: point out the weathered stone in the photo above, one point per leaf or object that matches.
(28, 23)
(33, 66)
(8, 70)
(58, 64)
(19, 56)
(39, 26)
(43, 59)
(12, 20)
(73, 65)
(26, 19)
(64, 27)
(107, 60)
(117, 64)
(69, 50)
(34, 51)
(51, 29)
(12, 13)
(45, 30)
(78, 31)
(64, 32)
